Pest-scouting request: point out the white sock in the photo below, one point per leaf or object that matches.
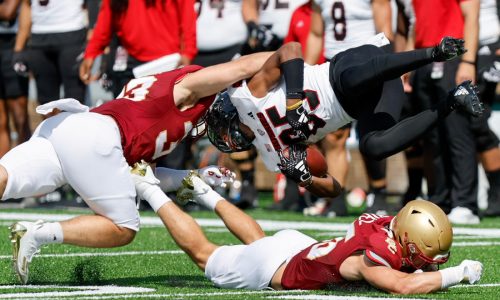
(153, 195)
(209, 199)
(49, 233)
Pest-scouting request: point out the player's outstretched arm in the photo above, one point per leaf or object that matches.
(213, 79)
(397, 282)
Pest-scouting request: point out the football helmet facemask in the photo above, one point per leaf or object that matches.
(223, 126)
(424, 233)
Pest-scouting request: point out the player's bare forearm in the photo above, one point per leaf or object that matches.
(470, 11)
(325, 187)
(8, 10)
(397, 282)
(24, 30)
(215, 78)
(315, 37)
(250, 11)
(382, 17)
(271, 72)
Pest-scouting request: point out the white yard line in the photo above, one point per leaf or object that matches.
(266, 224)
(90, 254)
(113, 292)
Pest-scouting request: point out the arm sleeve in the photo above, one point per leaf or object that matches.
(380, 252)
(188, 28)
(102, 32)
(170, 179)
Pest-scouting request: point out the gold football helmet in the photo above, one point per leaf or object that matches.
(424, 233)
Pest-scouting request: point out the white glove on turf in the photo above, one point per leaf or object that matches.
(216, 176)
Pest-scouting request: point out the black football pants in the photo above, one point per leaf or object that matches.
(366, 80)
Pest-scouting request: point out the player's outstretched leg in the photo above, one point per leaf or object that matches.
(241, 225)
(364, 68)
(383, 143)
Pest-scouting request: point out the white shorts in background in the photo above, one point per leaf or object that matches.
(83, 150)
(253, 266)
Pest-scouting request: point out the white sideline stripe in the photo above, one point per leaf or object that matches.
(267, 294)
(265, 224)
(89, 254)
(332, 297)
(79, 290)
(162, 252)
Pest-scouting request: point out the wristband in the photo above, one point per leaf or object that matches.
(294, 106)
(451, 276)
(293, 71)
(468, 62)
(307, 183)
(210, 199)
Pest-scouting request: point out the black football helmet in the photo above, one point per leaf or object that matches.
(223, 126)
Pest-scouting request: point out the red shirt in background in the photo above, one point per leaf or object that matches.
(299, 28)
(147, 33)
(436, 19)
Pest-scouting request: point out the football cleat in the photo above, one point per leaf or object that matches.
(24, 247)
(465, 98)
(448, 49)
(186, 192)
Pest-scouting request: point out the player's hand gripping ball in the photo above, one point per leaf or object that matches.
(315, 161)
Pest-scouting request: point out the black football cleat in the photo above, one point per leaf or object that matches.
(465, 98)
(449, 48)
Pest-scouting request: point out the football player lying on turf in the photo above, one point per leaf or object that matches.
(287, 103)
(92, 152)
(375, 249)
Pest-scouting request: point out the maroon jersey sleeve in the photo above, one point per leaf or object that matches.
(383, 250)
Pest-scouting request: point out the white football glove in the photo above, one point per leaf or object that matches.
(195, 189)
(216, 176)
(472, 271)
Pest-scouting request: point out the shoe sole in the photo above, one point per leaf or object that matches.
(17, 231)
(187, 183)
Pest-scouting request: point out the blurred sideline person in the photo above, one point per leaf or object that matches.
(146, 30)
(488, 76)
(220, 35)
(341, 25)
(289, 104)
(13, 87)
(451, 145)
(50, 40)
(92, 152)
(220, 31)
(384, 251)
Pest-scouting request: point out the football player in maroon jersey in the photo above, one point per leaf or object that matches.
(388, 252)
(92, 151)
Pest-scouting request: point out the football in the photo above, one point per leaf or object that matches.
(316, 162)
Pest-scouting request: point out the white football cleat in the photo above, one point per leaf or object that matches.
(462, 215)
(24, 246)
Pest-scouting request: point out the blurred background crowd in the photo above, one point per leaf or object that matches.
(88, 49)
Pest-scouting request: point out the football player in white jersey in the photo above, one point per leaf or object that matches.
(488, 69)
(220, 31)
(344, 24)
(288, 104)
(268, 22)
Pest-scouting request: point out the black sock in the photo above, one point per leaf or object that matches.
(248, 176)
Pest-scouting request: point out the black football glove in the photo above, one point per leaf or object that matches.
(298, 118)
(260, 37)
(448, 48)
(465, 98)
(19, 63)
(294, 164)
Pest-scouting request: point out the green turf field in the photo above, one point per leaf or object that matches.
(152, 267)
